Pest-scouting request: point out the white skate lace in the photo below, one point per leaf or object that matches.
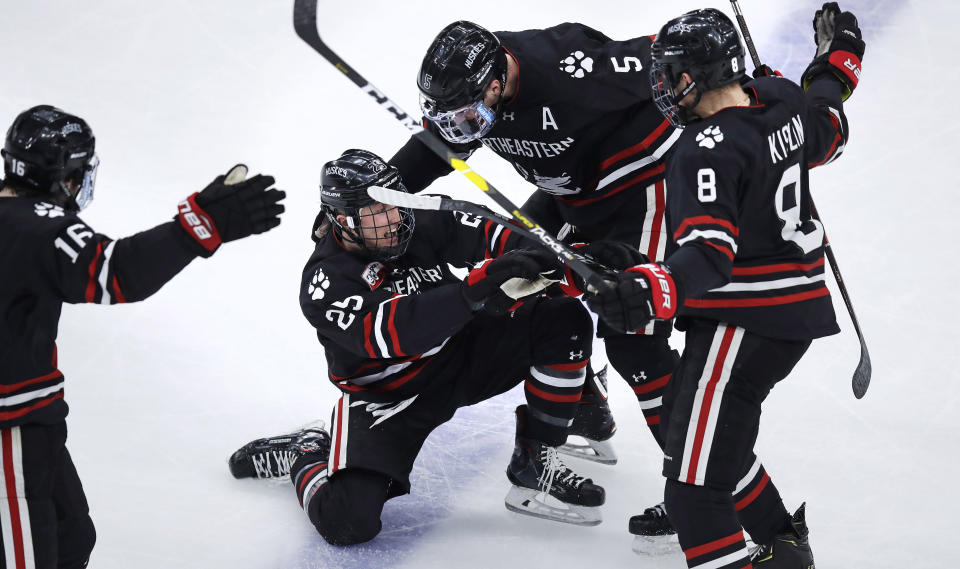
(555, 469)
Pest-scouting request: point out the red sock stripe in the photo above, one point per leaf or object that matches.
(339, 428)
(306, 478)
(568, 367)
(654, 385)
(749, 498)
(653, 420)
(713, 545)
(550, 396)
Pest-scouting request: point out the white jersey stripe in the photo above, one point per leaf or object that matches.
(771, 285)
(651, 404)
(698, 402)
(104, 272)
(709, 234)
(714, 411)
(378, 329)
(395, 368)
(30, 395)
(646, 161)
(648, 219)
(11, 452)
(493, 240)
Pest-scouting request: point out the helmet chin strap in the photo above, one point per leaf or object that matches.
(686, 114)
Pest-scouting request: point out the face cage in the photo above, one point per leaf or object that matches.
(381, 248)
(461, 125)
(667, 100)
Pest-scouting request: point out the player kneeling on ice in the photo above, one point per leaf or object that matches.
(408, 343)
(747, 281)
(49, 256)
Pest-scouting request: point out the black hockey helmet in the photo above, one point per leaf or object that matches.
(382, 234)
(453, 79)
(702, 43)
(45, 149)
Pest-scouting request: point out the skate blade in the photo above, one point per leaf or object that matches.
(655, 545)
(533, 503)
(596, 451)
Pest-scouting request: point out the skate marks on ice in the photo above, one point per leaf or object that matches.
(445, 469)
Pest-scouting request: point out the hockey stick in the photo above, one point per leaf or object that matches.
(305, 24)
(442, 203)
(861, 375)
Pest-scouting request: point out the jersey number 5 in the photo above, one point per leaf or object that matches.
(808, 235)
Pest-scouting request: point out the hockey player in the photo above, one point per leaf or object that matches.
(570, 109)
(49, 256)
(748, 277)
(408, 343)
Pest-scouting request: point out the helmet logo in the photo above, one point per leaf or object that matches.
(710, 137)
(70, 128)
(681, 27)
(577, 65)
(336, 171)
(472, 56)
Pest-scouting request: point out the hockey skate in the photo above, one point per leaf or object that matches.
(593, 424)
(788, 550)
(653, 532)
(272, 457)
(544, 487)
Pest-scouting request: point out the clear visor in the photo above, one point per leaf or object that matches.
(85, 195)
(464, 124)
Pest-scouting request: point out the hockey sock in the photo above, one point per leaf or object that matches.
(647, 364)
(707, 526)
(553, 392)
(758, 504)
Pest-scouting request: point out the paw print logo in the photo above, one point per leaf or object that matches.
(710, 137)
(318, 284)
(44, 209)
(577, 65)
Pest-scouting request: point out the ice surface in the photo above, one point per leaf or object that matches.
(162, 392)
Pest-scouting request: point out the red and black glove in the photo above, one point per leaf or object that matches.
(840, 48)
(498, 284)
(229, 208)
(602, 255)
(765, 71)
(638, 295)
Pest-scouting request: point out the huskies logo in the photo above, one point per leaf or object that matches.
(373, 275)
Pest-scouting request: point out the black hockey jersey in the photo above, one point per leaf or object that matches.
(49, 256)
(750, 252)
(381, 323)
(581, 126)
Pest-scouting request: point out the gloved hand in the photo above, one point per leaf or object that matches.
(638, 295)
(840, 48)
(765, 71)
(612, 254)
(229, 208)
(499, 283)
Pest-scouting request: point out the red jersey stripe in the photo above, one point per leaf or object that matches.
(653, 385)
(392, 330)
(750, 302)
(17, 386)
(644, 176)
(636, 148)
(708, 395)
(92, 283)
(780, 268)
(8, 415)
(705, 220)
(721, 248)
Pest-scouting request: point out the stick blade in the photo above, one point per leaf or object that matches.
(305, 20)
(861, 376)
(403, 199)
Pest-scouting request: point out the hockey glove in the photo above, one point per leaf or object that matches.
(230, 208)
(498, 284)
(765, 71)
(603, 255)
(840, 48)
(639, 295)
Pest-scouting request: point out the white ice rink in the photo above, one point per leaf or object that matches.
(163, 391)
